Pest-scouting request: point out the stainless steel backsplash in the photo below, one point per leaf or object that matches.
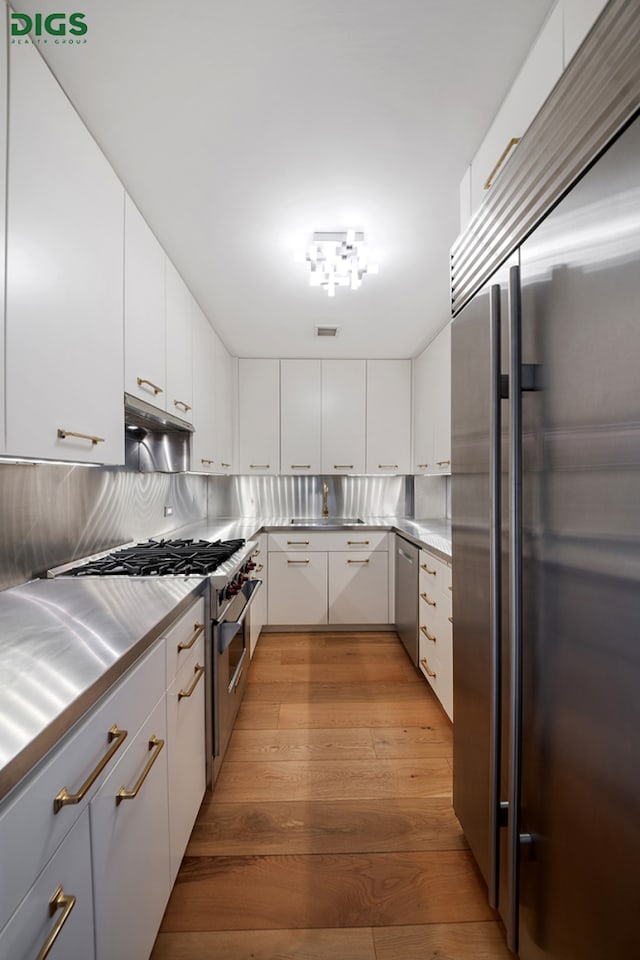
(51, 514)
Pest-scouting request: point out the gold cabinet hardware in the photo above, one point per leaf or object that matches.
(59, 901)
(123, 793)
(63, 434)
(357, 561)
(450, 588)
(343, 466)
(422, 466)
(183, 406)
(256, 552)
(387, 466)
(199, 671)
(197, 630)
(424, 663)
(357, 543)
(260, 568)
(424, 567)
(505, 153)
(301, 466)
(225, 464)
(298, 561)
(260, 466)
(431, 603)
(443, 463)
(297, 543)
(116, 738)
(205, 460)
(427, 634)
(154, 386)
(450, 619)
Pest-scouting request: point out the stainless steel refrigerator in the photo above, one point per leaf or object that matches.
(546, 573)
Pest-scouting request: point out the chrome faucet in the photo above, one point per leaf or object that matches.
(325, 499)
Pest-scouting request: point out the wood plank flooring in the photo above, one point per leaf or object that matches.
(330, 832)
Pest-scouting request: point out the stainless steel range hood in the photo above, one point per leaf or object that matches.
(155, 441)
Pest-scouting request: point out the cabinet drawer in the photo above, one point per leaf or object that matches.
(351, 540)
(30, 830)
(437, 667)
(32, 923)
(183, 636)
(294, 541)
(435, 578)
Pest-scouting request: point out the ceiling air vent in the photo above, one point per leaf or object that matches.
(327, 331)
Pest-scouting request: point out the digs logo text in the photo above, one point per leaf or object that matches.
(54, 24)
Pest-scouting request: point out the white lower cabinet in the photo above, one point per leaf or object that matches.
(435, 634)
(60, 899)
(359, 588)
(297, 588)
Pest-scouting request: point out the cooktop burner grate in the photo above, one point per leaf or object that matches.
(161, 558)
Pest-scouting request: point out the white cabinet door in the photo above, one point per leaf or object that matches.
(180, 310)
(422, 415)
(4, 93)
(144, 310)
(359, 587)
(300, 416)
(64, 295)
(536, 79)
(259, 416)
(130, 847)
(67, 875)
(185, 752)
(203, 441)
(224, 407)
(343, 416)
(441, 400)
(297, 588)
(388, 416)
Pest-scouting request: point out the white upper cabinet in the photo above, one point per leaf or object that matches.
(432, 407)
(180, 309)
(224, 382)
(4, 93)
(343, 416)
(388, 416)
(64, 314)
(259, 416)
(579, 17)
(300, 420)
(144, 310)
(203, 441)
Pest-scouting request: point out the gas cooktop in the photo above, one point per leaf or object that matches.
(157, 558)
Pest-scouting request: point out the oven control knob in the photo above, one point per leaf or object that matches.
(250, 565)
(242, 578)
(232, 589)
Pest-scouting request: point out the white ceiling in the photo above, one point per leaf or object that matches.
(241, 126)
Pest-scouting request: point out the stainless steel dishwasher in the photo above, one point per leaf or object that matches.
(407, 596)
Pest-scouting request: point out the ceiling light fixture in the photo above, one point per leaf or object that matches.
(338, 259)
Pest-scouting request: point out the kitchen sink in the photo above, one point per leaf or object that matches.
(326, 522)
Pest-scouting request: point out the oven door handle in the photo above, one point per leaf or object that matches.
(229, 628)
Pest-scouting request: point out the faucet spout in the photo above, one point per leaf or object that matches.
(325, 499)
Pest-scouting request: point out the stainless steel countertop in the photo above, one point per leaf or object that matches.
(63, 643)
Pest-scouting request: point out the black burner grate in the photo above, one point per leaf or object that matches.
(157, 558)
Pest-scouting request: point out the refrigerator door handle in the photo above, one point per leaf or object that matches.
(515, 606)
(495, 698)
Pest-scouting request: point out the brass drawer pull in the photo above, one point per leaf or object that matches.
(427, 634)
(432, 603)
(357, 561)
(63, 434)
(156, 389)
(183, 406)
(443, 463)
(298, 561)
(301, 466)
(424, 567)
(450, 619)
(357, 543)
(225, 465)
(509, 147)
(422, 466)
(197, 628)
(199, 671)
(426, 667)
(256, 552)
(260, 568)
(260, 466)
(387, 466)
(64, 797)
(59, 901)
(209, 462)
(123, 793)
(297, 543)
(343, 466)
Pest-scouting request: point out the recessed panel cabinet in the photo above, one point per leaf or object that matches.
(300, 417)
(388, 416)
(64, 283)
(259, 415)
(343, 416)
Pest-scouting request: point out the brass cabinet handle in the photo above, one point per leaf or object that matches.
(256, 552)
(387, 466)
(297, 543)
(422, 466)
(357, 561)
(199, 671)
(450, 619)
(225, 464)
(154, 386)
(357, 543)
(432, 603)
(505, 153)
(183, 406)
(205, 460)
(123, 793)
(298, 561)
(260, 466)
(198, 628)
(427, 634)
(343, 466)
(64, 797)
(450, 588)
(424, 567)
(443, 463)
(260, 568)
(301, 466)
(426, 666)
(63, 434)
(59, 901)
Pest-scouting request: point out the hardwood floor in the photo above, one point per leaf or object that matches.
(330, 832)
